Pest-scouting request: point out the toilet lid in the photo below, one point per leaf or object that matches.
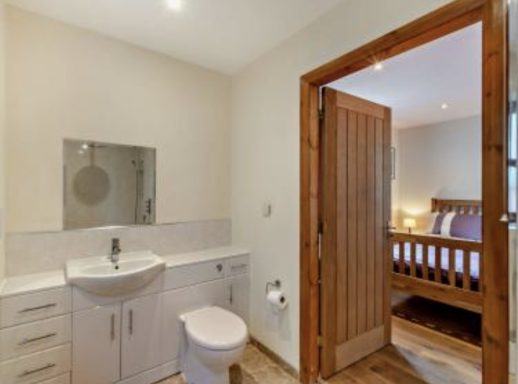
(215, 328)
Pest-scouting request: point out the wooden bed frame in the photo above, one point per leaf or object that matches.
(433, 285)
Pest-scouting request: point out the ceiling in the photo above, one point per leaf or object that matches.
(223, 35)
(416, 84)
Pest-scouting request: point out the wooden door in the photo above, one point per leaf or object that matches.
(354, 212)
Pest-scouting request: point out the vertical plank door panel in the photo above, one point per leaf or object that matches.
(355, 315)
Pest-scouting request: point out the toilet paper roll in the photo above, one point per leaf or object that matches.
(277, 299)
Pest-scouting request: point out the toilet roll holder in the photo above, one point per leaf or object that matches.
(275, 284)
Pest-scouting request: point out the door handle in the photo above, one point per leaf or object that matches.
(508, 218)
(112, 327)
(130, 325)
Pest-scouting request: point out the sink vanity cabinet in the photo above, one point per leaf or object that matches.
(96, 344)
(65, 335)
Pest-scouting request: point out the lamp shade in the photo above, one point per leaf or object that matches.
(409, 223)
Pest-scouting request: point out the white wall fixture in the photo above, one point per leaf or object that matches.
(267, 210)
(174, 5)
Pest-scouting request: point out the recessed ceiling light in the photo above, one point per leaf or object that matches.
(85, 146)
(378, 66)
(444, 106)
(174, 5)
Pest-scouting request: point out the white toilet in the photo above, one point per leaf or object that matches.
(216, 339)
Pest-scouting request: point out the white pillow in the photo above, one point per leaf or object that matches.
(446, 224)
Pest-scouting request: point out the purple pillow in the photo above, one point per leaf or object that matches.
(467, 227)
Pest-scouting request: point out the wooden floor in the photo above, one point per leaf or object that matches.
(417, 355)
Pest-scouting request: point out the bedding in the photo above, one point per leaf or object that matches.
(467, 227)
(464, 226)
(459, 268)
(452, 224)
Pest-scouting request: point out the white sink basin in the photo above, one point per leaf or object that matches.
(100, 276)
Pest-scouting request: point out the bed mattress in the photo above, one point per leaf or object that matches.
(459, 267)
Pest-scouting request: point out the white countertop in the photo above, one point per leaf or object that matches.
(203, 255)
(22, 284)
(16, 285)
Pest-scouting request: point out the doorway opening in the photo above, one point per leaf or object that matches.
(317, 239)
(422, 215)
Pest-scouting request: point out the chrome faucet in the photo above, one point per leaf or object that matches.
(116, 250)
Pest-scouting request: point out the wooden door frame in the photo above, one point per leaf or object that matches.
(445, 20)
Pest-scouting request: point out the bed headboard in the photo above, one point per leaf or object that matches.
(458, 206)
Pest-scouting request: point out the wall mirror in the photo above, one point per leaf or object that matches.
(107, 184)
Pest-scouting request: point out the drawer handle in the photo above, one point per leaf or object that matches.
(32, 309)
(39, 338)
(239, 266)
(36, 370)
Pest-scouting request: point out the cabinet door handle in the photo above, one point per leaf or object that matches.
(32, 309)
(231, 298)
(36, 370)
(112, 327)
(130, 322)
(39, 338)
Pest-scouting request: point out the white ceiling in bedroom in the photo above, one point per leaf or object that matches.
(223, 35)
(417, 83)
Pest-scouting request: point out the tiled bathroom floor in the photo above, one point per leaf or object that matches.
(255, 368)
(417, 355)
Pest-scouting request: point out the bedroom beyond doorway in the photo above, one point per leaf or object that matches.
(401, 206)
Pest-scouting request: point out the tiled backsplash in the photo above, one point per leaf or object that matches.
(39, 252)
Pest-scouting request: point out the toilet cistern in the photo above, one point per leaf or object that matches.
(116, 250)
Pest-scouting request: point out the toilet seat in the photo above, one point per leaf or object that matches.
(216, 329)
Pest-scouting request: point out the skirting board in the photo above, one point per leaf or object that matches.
(155, 374)
(275, 357)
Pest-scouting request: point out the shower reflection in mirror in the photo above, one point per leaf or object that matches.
(107, 184)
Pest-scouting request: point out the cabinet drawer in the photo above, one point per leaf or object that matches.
(183, 276)
(63, 379)
(35, 306)
(237, 265)
(36, 367)
(34, 337)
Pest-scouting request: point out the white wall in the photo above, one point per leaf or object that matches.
(439, 160)
(66, 82)
(265, 150)
(2, 141)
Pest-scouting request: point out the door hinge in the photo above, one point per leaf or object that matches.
(320, 235)
(321, 114)
(320, 340)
